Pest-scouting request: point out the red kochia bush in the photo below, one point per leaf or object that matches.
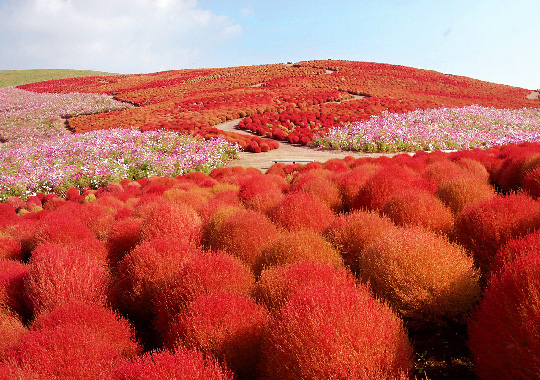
(262, 192)
(351, 182)
(145, 269)
(180, 364)
(123, 236)
(318, 183)
(230, 327)
(242, 234)
(75, 342)
(503, 334)
(59, 276)
(335, 333)
(513, 249)
(277, 284)
(11, 331)
(531, 182)
(382, 185)
(302, 211)
(165, 218)
(203, 274)
(296, 246)
(10, 249)
(12, 295)
(420, 208)
(60, 228)
(422, 275)
(461, 191)
(485, 227)
(353, 233)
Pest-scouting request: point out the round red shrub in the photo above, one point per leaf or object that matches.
(385, 183)
(302, 211)
(123, 236)
(353, 233)
(76, 342)
(351, 182)
(11, 331)
(145, 269)
(230, 327)
(180, 364)
(335, 333)
(60, 228)
(277, 284)
(484, 227)
(12, 294)
(296, 246)
(515, 248)
(10, 249)
(461, 191)
(422, 275)
(318, 183)
(531, 182)
(262, 192)
(418, 208)
(58, 276)
(243, 234)
(165, 218)
(203, 274)
(503, 335)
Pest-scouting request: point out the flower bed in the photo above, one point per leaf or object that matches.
(443, 128)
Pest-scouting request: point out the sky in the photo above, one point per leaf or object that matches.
(491, 40)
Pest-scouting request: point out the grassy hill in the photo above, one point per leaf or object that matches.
(20, 77)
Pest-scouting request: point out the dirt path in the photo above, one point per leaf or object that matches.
(285, 151)
(534, 95)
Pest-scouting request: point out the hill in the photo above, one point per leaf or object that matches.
(285, 102)
(20, 77)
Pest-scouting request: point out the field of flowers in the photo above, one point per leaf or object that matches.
(441, 128)
(38, 153)
(284, 102)
(423, 266)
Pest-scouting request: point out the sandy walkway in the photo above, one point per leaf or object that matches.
(534, 95)
(285, 151)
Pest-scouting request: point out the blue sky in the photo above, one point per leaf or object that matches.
(492, 40)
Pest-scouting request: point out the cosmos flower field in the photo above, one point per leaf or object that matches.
(131, 247)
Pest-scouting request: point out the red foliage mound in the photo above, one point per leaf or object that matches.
(180, 364)
(165, 218)
(59, 276)
(418, 208)
(11, 331)
(12, 295)
(10, 249)
(243, 234)
(351, 182)
(145, 269)
(276, 285)
(75, 342)
(503, 335)
(513, 249)
(302, 211)
(531, 182)
(385, 183)
(353, 233)
(60, 228)
(203, 274)
(422, 275)
(296, 246)
(123, 236)
(318, 183)
(262, 192)
(335, 333)
(227, 326)
(484, 227)
(461, 191)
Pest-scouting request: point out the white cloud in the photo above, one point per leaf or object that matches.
(127, 36)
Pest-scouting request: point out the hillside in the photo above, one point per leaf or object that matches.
(20, 77)
(292, 102)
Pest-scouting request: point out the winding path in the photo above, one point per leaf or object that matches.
(286, 151)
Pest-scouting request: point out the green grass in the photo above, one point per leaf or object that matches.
(19, 77)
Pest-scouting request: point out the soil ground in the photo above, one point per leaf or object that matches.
(286, 151)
